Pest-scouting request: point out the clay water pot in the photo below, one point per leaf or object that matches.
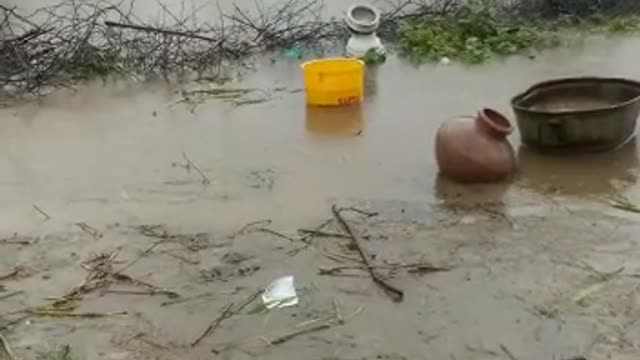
(475, 149)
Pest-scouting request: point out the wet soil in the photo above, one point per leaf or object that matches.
(542, 266)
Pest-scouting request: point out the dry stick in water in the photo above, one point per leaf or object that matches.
(264, 229)
(307, 329)
(183, 300)
(507, 352)
(5, 350)
(192, 35)
(154, 231)
(278, 234)
(310, 235)
(225, 313)
(13, 322)
(143, 337)
(412, 268)
(11, 294)
(142, 255)
(12, 241)
(152, 288)
(205, 179)
(89, 229)
(118, 275)
(10, 275)
(319, 233)
(284, 338)
(263, 223)
(393, 292)
(182, 258)
(66, 314)
(46, 216)
(359, 211)
(150, 292)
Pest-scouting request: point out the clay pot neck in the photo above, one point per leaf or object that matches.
(493, 123)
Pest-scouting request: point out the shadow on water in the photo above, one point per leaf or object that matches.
(584, 174)
(451, 192)
(371, 82)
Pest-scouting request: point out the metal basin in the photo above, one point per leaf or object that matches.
(589, 114)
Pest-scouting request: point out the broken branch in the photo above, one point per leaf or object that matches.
(191, 164)
(11, 294)
(284, 338)
(395, 293)
(12, 274)
(89, 229)
(46, 216)
(508, 352)
(262, 223)
(319, 233)
(150, 292)
(225, 313)
(412, 268)
(191, 35)
(88, 315)
(183, 300)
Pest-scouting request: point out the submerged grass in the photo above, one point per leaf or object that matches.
(62, 353)
(476, 32)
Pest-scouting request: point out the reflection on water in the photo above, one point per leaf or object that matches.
(345, 120)
(371, 82)
(579, 174)
(584, 175)
(453, 193)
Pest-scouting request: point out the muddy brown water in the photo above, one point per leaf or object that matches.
(111, 156)
(115, 145)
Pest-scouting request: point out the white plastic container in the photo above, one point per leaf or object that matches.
(359, 45)
(363, 21)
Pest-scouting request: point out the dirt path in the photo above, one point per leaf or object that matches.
(513, 284)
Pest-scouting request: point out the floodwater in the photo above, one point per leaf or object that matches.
(115, 145)
(112, 157)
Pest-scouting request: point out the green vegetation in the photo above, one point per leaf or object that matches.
(77, 45)
(476, 32)
(623, 24)
(94, 63)
(374, 57)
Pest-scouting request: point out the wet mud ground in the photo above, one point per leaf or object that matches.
(541, 266)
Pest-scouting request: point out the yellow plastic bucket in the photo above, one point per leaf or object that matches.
(334, 82)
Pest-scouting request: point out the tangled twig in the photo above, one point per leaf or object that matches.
(61, 44)
(227, 312)
(395, 293)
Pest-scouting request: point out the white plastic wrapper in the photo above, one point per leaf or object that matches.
(280, 293)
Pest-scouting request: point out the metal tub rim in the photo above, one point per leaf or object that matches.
(516, 101)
